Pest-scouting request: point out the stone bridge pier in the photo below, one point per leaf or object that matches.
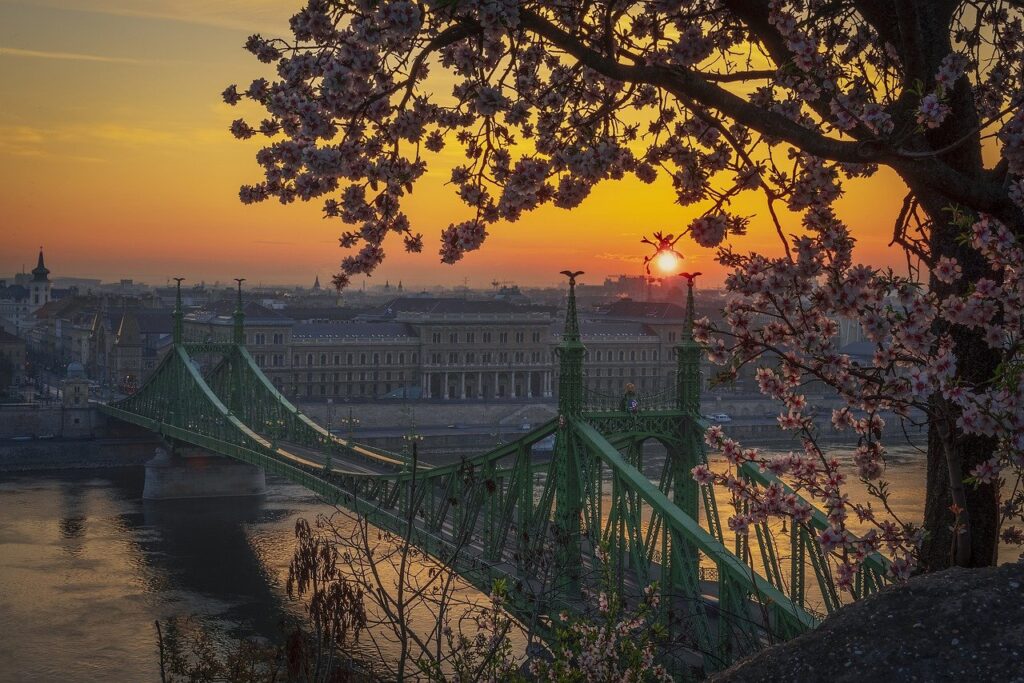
(190, 472)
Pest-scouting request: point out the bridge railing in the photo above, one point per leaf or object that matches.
(595, 401)
(680, 539)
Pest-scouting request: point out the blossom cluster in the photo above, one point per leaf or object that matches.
(787, 311)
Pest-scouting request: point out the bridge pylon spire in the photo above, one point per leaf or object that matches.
(570, 355)
(688, 358)
(239, 332)
(179, 314)
(568, 449)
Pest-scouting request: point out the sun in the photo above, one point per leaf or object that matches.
(667, 262)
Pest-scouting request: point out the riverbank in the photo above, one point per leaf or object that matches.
(69, 454)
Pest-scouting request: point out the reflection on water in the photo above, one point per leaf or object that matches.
(86, 567)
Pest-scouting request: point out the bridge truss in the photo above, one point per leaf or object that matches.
(600, 499)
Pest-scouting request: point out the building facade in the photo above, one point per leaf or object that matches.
(448, 349)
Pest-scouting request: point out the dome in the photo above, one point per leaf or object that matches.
(76, 371)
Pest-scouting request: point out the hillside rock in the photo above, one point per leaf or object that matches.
(953, 625)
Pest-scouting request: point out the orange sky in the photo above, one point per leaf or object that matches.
(115, 155)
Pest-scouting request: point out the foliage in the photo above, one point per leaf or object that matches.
(787, 99)
(616, 644)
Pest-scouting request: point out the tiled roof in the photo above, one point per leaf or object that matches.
(448, 305)
(651, 310)
(13, 293)
(308, 313)
(8, 338)
(221, 312)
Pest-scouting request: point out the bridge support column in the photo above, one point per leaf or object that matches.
(193, 473)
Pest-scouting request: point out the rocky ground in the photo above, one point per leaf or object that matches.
(955, 625)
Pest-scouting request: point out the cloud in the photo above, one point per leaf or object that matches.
(70, 56)
(67, 139)
(609, 256)
(234, 15)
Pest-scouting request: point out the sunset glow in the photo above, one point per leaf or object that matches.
(115, 154)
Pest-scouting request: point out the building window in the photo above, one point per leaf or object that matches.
(471, 337)
(337, 359)
(278, 338)
(436, 338)
(387, 359)
(362, 359)
(453, 338)
(536, 336)
(323, 359)
(376, 359)
(487, 337)
(309, 359)
(503, 337)
(520, 337)
(453, 358)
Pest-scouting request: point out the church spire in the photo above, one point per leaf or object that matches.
(40, 273)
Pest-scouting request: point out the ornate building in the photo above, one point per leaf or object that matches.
(20, 301)
(39, 287)
(438, 348)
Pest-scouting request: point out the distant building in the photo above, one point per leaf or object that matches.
(39, 287)
(75, 417)
(12, 360)
(18, 302)
(446, 348)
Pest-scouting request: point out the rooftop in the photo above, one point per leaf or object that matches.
(222, 313)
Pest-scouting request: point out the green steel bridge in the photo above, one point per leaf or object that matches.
(549, 524)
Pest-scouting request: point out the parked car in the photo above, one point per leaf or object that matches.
(721, 417)
(526, 426)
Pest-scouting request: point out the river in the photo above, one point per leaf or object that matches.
(86, 566)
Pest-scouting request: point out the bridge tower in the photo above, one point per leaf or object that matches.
(179, 315)
(568, 450)
(239, 332)
(684, 569)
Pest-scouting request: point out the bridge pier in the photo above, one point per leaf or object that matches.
(186, 472)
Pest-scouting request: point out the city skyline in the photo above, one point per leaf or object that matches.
(111, 106)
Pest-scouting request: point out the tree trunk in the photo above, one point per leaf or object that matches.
(951, 453)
